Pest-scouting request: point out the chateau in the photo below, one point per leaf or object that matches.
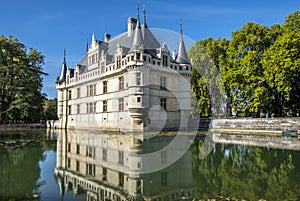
(129, 82)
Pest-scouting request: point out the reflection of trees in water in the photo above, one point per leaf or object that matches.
(244, 172)
(19, 164)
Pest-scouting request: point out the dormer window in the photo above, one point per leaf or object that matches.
(93, 59)
(138, 56)
(118, 62)
(165, 60)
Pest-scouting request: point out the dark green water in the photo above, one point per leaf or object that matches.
(41, 165)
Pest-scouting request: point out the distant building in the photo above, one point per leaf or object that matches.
(129, 82)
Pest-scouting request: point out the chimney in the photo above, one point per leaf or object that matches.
(106, 37)
(131, 25)
(174, 54)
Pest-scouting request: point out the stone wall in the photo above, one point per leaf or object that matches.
(276, 124)
(204, 124)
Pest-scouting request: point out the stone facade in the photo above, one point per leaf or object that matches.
(129, 82)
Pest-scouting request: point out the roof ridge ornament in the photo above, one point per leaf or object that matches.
(64, 55)
(144, 14)
(181, 26)
(138, 13)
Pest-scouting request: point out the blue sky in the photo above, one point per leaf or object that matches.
(52, 25)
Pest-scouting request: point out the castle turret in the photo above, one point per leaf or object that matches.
(138, 37)
(63, 72)
(182, 57)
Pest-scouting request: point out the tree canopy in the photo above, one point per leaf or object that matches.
(259, 68)
(21, 99)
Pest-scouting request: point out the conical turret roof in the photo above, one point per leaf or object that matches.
(63, 72)
(138, 36)
(182, 57)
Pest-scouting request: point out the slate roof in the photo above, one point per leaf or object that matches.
(141, 35)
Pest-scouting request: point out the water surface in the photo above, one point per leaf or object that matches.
(44, 165)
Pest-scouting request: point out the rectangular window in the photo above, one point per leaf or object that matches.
(69, 109)
(91, 90)
(69, 147)
(104, 87)
(91, 107)
(121, 157)
(163, 157)
(165, 60)
(104, 154)
(76, 76)
(138, 99)
(121, 104)
(121, 83)
(90, 151)
(163, 83)
(77, 165)
(163, 177)
(102, 67)
(138, 78)
(163, 103)
(105, 106)
(77, 149)
(118, 62)
(90, 169)
(121, 179)
(104, 173)
(138, 56)
(69, 94)
(78, 92)
(78, 109)
(69, 162)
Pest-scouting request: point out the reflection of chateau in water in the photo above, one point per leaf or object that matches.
(275, 142)
(111, 167)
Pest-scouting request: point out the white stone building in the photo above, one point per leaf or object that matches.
(129, 82)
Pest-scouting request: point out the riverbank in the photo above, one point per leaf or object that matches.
(22, 126)
(262, 126)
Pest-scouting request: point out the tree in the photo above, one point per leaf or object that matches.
(20, 81)
(243, 71)
(50, 109)
(259, 69)
(206, 82)
(282, 65)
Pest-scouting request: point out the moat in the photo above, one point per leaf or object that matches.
(49, 165)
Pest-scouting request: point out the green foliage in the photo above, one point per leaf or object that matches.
(50, 109)
(206, 81)
(241, 172)
(259, 68)
(21, 151)
(20, 81)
